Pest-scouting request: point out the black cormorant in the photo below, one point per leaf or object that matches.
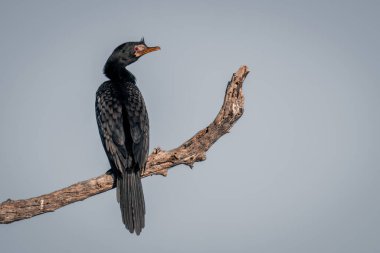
(124, 130)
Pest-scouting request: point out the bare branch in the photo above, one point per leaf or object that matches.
(193, 150)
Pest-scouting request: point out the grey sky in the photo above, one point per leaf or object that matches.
(298, 173)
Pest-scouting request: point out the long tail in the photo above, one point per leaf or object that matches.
(131, 199)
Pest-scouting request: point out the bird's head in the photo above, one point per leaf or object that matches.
(130, 52)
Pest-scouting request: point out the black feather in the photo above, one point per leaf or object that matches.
(124, 129)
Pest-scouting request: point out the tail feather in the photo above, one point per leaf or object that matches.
(131, 199)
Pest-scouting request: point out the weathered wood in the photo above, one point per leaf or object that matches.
(193, 150)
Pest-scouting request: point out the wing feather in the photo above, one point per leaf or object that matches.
(138, 120)
(123, 125)
(109, 117)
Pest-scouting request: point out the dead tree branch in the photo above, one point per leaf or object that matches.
(193, 150)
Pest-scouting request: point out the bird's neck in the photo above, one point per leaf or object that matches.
(117, 72)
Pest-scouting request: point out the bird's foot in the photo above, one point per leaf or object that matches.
(110, 172)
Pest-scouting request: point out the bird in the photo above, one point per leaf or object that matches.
(123, 125)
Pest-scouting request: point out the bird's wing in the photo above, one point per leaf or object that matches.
(137, 117)
(109, 116)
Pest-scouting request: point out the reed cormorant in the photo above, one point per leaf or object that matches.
(124, 130)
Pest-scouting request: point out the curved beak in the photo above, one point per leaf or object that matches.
(148, 50)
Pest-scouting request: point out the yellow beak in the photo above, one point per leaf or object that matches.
(147, 50)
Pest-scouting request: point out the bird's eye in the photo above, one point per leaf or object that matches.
(136, 48)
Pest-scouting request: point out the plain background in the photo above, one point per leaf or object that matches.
(299, 172)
